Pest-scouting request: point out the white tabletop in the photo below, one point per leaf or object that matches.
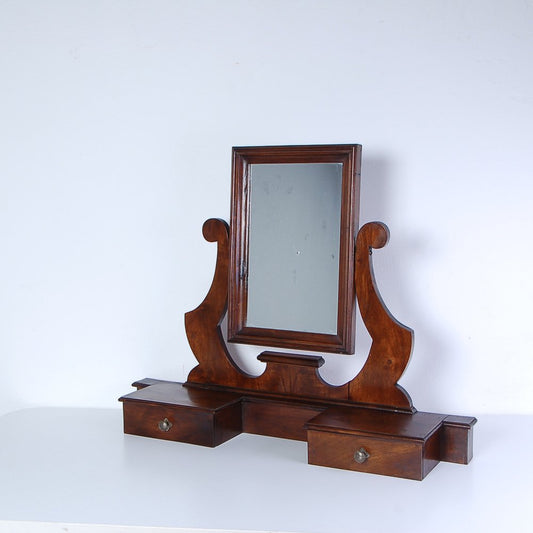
(76, 466)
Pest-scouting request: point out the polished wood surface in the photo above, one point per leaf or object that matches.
(277, 418)
(377, 382)
(170, 411)
(168, 393)
(457, 439)
(203, 324)
(391, 457)
(377, 422)
(238, 330)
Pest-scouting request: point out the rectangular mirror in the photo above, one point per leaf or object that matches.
(293, 224)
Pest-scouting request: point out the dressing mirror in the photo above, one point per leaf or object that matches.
(291, 270)
(294, 215)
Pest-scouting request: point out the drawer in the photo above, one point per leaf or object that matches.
(162, 422)
(377, 455)
(172, 412)
(379, 442)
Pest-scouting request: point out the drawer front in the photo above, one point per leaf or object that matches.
(376, 455)
(170, 423)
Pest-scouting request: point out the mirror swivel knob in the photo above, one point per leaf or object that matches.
(361, 455)
(165, 424)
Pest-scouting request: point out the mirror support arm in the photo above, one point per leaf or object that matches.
(392, 342)
(202, 325)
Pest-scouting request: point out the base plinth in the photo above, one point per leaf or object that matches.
(400, 444)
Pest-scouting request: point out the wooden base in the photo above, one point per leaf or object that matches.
(400, 444)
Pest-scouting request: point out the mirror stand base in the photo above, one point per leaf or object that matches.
(407, 445)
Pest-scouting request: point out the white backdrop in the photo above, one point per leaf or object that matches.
(116, 127)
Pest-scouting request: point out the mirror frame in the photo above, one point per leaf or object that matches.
(350, 157)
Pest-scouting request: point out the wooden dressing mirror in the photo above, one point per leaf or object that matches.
(294, 214)
(293, 227)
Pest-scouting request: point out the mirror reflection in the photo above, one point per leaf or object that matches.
(294, 244)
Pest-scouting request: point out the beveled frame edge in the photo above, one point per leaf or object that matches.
(348, 154)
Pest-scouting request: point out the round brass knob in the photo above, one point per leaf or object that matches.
(165, 424)
(361, 455)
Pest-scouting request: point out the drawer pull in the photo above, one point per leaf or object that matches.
(361, 455)
(165, 424)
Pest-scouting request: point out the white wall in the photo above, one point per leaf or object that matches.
(117, 120)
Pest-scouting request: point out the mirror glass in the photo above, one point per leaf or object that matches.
(294, 213)
(293, 256)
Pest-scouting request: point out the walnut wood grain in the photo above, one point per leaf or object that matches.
(377, 382)
(457, 443)
(203, 324)
(397, 444)
(275, 418)
(169, 411)
(398, 458)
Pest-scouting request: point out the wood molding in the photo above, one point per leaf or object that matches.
(343, 341)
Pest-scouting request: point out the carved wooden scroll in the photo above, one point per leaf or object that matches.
(392, 342)
(203, 324)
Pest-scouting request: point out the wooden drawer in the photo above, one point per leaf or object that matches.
(389, 457)
(172, 412)
(162, 422)
(392, 444)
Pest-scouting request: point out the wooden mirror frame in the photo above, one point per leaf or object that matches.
(349, 155)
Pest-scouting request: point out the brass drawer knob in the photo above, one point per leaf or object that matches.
(165, 424)
(361, 455)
